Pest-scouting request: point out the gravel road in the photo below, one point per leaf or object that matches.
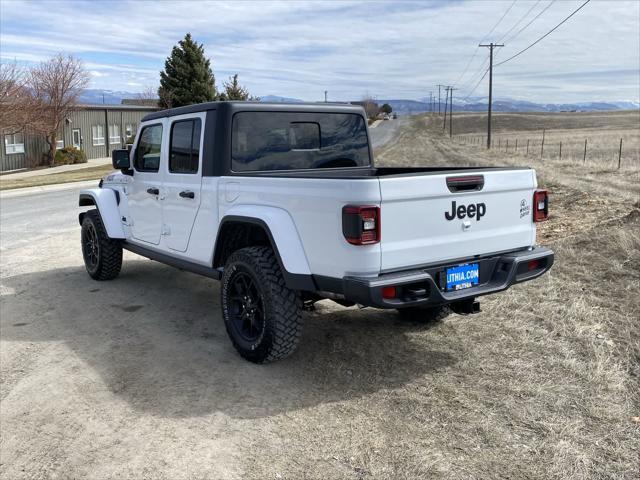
(386, 131)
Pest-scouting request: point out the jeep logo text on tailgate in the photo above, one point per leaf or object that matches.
(474, 210)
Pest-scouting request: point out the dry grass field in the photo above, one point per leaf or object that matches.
(602, 131)
(557, 361)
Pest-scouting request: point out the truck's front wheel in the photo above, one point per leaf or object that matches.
(261, 314)
(102, 255)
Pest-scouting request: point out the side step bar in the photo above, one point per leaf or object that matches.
(215, 273)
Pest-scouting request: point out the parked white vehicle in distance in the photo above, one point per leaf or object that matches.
(284, 205)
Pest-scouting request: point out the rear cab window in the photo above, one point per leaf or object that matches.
(269, 141)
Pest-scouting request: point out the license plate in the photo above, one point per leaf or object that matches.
(462, 276)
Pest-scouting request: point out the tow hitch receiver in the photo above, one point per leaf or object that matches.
(466, 307)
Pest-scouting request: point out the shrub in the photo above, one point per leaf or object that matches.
(70, 155)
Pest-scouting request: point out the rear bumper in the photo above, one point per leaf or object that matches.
(425, 286)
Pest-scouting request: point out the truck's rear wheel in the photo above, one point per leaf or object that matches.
(102, 255)
(425, 314)
(261, 314)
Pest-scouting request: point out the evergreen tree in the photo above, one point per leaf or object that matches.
(187, 77)
(234, 91)
(386, 108)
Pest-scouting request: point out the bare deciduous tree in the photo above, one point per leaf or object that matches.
(148, 96)
(56, 86)
(371, 108)
(16, 106)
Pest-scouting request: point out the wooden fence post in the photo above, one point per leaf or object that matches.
(584, 157)
(542, 147)
(620, 154)
(506, 149)
(498, 144)
(516, 145)
(560, 150)
(527, 146)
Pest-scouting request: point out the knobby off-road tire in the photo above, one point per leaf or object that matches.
(102, 255)
(261, 314)
(425, 315)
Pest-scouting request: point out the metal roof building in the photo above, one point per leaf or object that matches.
(96, 129)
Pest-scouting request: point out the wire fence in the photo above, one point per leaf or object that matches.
(604, 149)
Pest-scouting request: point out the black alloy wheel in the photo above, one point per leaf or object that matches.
(246, 306)
(90, 246)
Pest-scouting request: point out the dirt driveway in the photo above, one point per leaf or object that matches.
(135, 378)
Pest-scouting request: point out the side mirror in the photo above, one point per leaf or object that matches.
(120, 159)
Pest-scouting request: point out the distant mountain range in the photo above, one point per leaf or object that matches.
(277, 99)
(405, 107)
(479, 104)
(107, 97)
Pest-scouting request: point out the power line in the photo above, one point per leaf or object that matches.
(482, 66)
(477, 84)
(544, 36)
(478, 73)
(482, 40)
(519, 21)
(533, 20)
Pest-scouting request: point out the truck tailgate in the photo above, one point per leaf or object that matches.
(425, 220)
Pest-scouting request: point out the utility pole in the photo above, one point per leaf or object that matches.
(431, 102)
(325, 96)
(491, 46)
(446, 101)
(451, 89)
(439, 98)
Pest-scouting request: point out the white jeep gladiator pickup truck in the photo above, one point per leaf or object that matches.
(284, 205)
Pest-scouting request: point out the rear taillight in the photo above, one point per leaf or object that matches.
(540, 205)
(361, 224)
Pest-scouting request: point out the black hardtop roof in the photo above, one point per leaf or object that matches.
(233, 107)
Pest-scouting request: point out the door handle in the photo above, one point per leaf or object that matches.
(187, 194)
(153, 191)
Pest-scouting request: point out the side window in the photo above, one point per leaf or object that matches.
(184, 150)
(148, 150)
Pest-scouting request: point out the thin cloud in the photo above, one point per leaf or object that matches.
(300, 49)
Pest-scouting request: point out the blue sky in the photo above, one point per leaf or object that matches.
(299, 49)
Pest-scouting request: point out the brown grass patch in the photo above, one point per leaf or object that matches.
(89, 173)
